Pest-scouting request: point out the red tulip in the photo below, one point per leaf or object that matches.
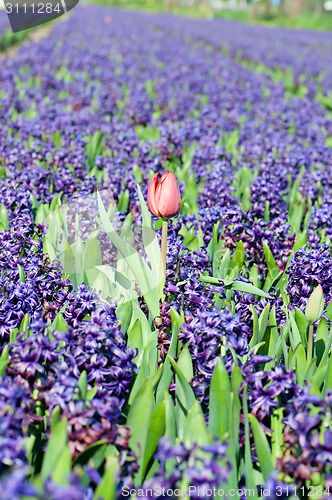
(164, 199)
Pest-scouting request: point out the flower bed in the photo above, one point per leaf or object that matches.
(111, 382)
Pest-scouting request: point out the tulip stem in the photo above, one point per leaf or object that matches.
(310, 345)
(163, 256)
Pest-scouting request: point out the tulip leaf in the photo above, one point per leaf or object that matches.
(150, 240)
(147, 281)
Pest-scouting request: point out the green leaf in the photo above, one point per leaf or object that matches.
(262, 448)
(124, 312)
(4, 219)
(56, 414)
(302, 324)
(147, 281)
(167, 375)
(135, 339)
(156, 429)
(21, 273)
(56, 445)
(225, 263)
(150, 355)
(220, 391)
(240, 286)
(56, 138)
(62, 468)
(123, 202)
(185, 397)
(328, 378)
(56, 202)
(238, 256)
(170, 423)
(254, 340)
(94, 147)
(188, 395)
(106, 489)
(320, 376)
(262, 322)
(195, 430)
(92, 258)
(139, 414)
(185, 363)
(298, 361)
(83, 384)
(277, 434)
(49, 249)
(24, 323)
(4, 360)
(294, 333)
(150, 240)
(321, 339)
(89, 452)
(68, 263)
(249, 470)
(60, 323)
(271, 263)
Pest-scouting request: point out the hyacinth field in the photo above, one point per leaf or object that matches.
(215, 382)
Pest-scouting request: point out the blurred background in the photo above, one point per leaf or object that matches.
(314, 14)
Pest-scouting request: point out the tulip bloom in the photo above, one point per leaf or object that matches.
(315, 305)
(313, 311)
(164, 199)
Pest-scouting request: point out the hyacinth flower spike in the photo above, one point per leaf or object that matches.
(164, 201)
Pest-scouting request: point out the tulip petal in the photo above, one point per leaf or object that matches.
(152, 195)
(168, 197)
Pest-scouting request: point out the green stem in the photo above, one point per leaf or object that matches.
(163, 257)
(310, 345)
